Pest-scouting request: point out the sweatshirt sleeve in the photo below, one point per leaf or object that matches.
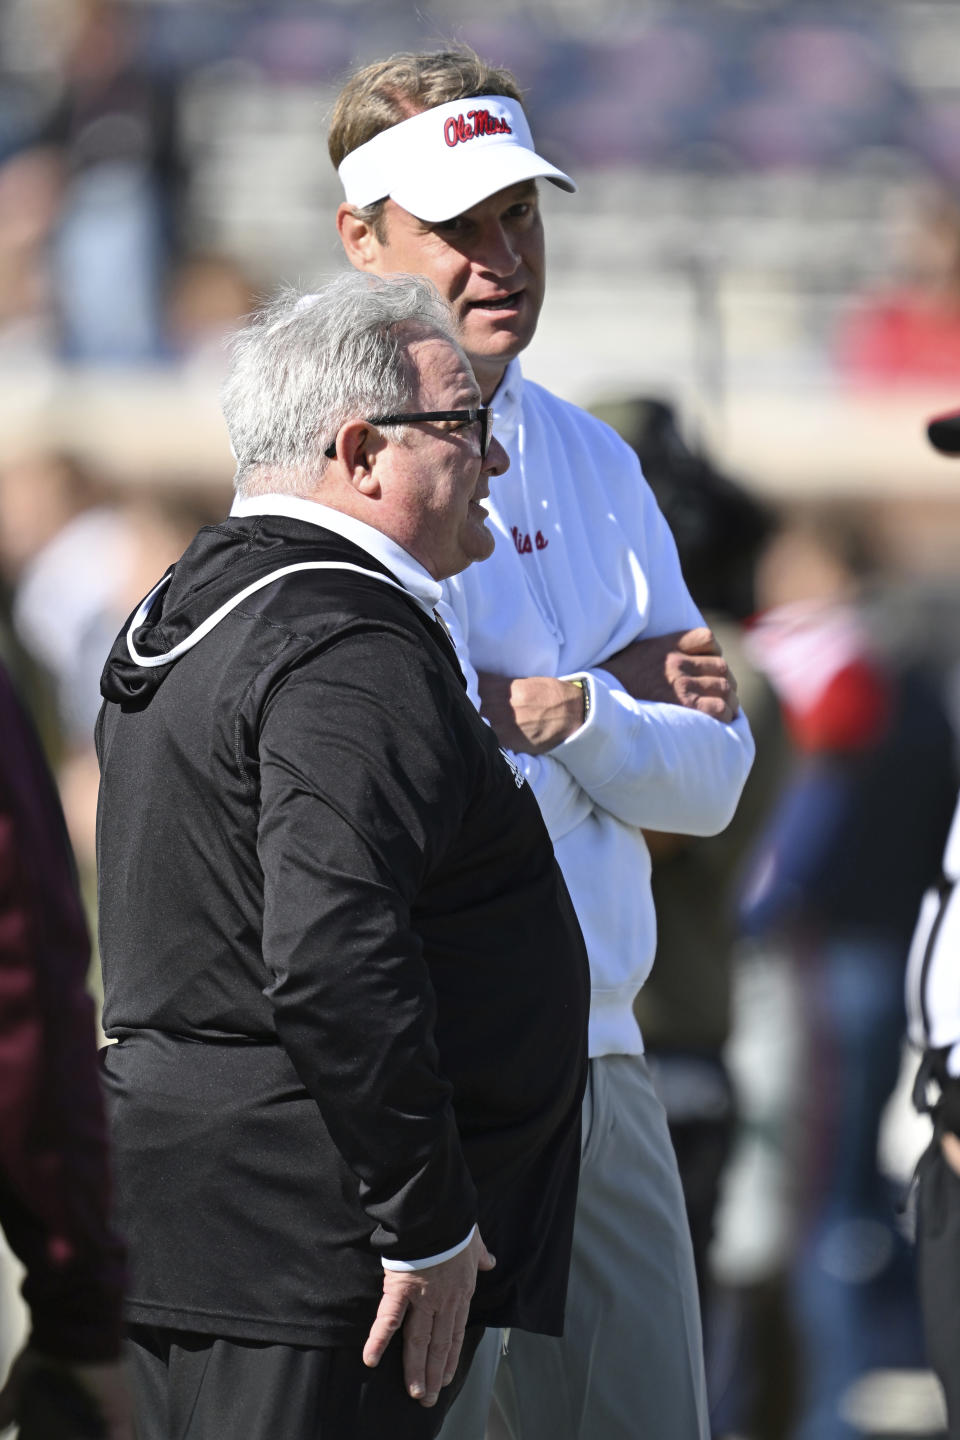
(660, 767)
(363, 786)
(663, 767)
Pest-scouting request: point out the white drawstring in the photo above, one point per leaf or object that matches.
(143, 610)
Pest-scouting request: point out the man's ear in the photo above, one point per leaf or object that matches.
(359, 447)
(358, 239)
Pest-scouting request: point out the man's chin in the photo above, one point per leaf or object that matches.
(472, 552)
(481, 544)
(496, 336)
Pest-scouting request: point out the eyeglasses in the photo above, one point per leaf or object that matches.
(480, 416)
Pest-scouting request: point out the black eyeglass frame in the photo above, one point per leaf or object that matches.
(469, 417)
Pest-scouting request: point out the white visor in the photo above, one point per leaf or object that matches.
(443, 161)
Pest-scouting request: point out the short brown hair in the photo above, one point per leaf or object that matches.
(388, 91)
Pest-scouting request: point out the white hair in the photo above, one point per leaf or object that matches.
(308, 363)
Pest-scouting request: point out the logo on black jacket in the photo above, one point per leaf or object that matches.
(515, 770)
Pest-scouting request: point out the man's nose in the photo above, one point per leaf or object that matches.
(498, 253)
(496, 460)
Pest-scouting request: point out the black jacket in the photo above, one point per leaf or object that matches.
(347, 982)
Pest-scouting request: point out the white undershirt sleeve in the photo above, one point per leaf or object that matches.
(429, 1260)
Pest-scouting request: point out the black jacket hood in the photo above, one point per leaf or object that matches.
(220, 563)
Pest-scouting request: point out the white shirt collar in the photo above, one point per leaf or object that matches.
(411, 574)
(507, 402)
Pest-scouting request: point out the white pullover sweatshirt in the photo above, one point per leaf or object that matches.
(584, 563)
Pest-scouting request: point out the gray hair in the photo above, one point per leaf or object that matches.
(308, 363)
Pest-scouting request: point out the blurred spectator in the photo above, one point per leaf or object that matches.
(29, 200)
(911, 333)
(153, 531)
(77, 559)
(54, 1187)
(717, 525)
(63, 549)
(114, 130)
(753, 1377)
(210, 295)
(684, 1009)
(837, 877)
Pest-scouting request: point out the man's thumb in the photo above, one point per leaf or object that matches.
(699, 641)
(486, 1261)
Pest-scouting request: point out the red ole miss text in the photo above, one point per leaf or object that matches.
(472, 125)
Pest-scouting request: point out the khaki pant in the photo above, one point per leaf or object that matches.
(630, 1365)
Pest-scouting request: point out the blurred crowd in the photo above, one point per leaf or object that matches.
(96, 266)
(774, 1016)
(160, 164)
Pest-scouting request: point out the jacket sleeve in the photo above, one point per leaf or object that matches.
(362, 788)
(663, 767)
(54, 1180)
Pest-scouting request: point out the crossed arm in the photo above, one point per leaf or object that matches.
(534, 714)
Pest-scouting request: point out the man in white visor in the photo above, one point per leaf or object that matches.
(595, 670)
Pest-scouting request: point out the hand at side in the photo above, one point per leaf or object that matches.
(432, 1307)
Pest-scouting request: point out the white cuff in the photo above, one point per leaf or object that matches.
(585, 677)
(430, 1259)
(598, 746)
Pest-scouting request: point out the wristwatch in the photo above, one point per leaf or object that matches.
(584, 688)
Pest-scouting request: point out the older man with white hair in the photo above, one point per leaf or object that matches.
(346, 983)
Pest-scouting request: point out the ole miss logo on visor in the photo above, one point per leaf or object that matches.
(472, 125)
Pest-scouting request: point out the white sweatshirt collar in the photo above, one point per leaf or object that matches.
(411, 574)
(507, 403)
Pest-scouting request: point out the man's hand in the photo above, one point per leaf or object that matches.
(686, 668)
(432, 1307)
(533, 714)
(950, 1145)
(59, 1401)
